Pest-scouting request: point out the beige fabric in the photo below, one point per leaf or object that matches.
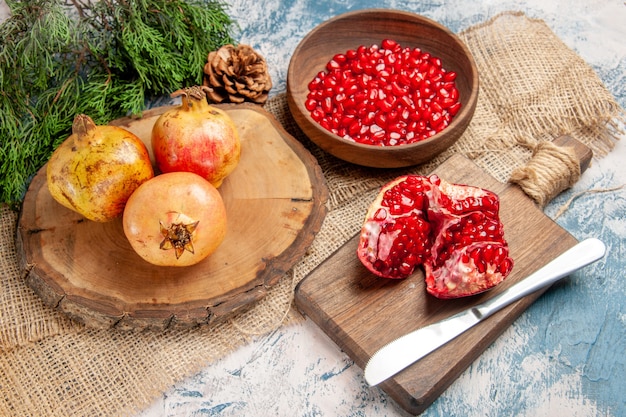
(533, 88)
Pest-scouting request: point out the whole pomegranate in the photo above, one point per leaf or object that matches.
(175, 219)
(96, 169)
(453, 230)
(196, 137)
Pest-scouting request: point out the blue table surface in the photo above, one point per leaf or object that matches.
(565, 356)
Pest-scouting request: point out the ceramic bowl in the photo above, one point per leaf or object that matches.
(368, 27)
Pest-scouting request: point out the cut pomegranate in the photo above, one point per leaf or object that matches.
(453, 230)
(384, 95)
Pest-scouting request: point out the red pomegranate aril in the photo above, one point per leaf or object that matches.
(350, 105)
(333, 65)
(379, 137)
(384, 106)
(387, 80)
(426, 114)
(433, 71)
(436, 119)
(426, 91)
(394, 138)
(436, 78)
(389, 44)
(404, 80)
(330, 81)
(356, 67)
(424, 67)
(340, 58)
(397, 89)
(381, 120)
(454, 94)
(346, 120)
(327, 105)
(417, 80)
(353, 128)
(446, 102)
(392, 116)
(313, 85)
(317, 114)
(352, 87)
(454, 109)
(449, 76)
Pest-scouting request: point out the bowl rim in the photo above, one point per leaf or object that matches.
(466, 110)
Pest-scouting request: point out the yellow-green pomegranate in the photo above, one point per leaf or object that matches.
(96, 169)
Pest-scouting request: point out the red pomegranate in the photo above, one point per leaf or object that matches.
(453, 230)
(196, 137)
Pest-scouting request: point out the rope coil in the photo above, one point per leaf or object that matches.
(550, 170)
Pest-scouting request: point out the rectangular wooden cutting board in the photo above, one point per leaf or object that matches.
(361, 312)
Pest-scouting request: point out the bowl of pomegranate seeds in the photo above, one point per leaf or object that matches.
(382, 88)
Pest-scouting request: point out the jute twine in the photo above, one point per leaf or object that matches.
(551, 170)
(532, 86)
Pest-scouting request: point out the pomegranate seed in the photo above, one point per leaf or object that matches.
(454, 94)
(454, 109)
(447, 102)
(436, 119)
(333, 65)
(327, 105)
(449, 76)
(381, 120)
(369, 118)
(330, 81)
(389, 44)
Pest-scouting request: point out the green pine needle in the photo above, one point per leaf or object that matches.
(59, 58)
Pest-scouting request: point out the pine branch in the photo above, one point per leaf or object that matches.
(103, 58)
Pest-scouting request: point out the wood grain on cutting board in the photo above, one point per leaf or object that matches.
(361, 312)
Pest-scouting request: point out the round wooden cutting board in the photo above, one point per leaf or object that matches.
(275, 201)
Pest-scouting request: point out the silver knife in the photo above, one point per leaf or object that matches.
(407, 349)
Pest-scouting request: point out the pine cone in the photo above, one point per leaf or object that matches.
(237, 74)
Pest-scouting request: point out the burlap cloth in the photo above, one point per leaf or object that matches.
(533, 88)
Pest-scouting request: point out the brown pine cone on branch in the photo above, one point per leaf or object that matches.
(237, 74)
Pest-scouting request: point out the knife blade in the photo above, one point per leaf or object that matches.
(406, 350)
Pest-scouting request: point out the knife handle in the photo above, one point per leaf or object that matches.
(578, 256)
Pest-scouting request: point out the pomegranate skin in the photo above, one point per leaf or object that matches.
(96, 169)
(196, 137)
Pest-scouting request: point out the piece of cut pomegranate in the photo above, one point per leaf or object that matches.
(453, 230)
